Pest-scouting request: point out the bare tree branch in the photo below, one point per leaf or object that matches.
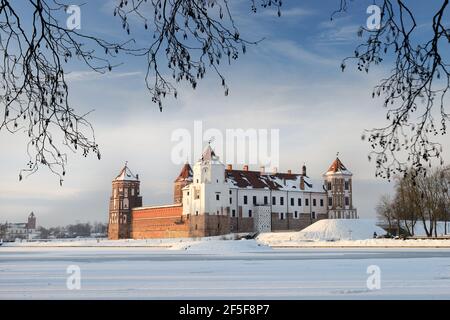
(414, 92)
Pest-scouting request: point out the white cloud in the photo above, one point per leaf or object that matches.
(296, 52)
(93, 75)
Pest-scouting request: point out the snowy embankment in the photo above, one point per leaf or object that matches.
(219, 244)
(342, 233)
(324, 233)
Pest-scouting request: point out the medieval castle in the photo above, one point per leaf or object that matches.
(212, 199)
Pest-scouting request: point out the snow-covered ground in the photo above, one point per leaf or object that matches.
(274, 266)
(218, 269)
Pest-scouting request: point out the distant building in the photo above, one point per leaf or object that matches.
(22, 230)
(212, 199)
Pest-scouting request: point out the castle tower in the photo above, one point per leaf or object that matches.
(338, 184)
(208, 192)
(183, 179)
(31, 224)
(125, 196)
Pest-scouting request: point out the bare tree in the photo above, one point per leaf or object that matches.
(385, 211)
(425, 198)
(415, 90)
(190, 37)
(33, 89)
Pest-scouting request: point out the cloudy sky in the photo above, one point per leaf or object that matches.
(291, 81)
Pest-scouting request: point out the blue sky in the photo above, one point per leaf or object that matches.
(290, 81)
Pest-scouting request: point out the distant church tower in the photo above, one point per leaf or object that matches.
(338, 184)
(183, 179)
(125, 196)
(31, 224)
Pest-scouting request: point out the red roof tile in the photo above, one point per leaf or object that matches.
(185, 174)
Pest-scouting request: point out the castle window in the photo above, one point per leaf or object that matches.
(346, 185)
(329, 185)
(314, 202)
(281, 216)
(274, 201)
(281, 201)
(230, 192)
(299, 202)
(132, 192)
(231, 200)
(313, 215)
(330, 201)
(233, 213)
(321, 202)
(250, 213)
(196, 213)
(292, 201)
(266, 200)
(306, 202)
(347, 201)
(295, 214)
(254, 200)
(245, 199)
(217, 180)
(217, 197)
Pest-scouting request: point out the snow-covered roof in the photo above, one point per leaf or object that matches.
(337, 167)
(245, 179)
(126, 174)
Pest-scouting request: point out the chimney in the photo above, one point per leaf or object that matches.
(289, 171)
(275, 171)
(302, 183)
(245, 168)
(262, 170)
(229, 167)
(304, 170)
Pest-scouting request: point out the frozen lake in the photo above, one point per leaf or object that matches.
(155, 273)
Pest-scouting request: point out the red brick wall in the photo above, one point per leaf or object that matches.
(159, 222)
(168, 222)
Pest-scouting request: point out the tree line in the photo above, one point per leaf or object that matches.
(74, 230)
(418, 200)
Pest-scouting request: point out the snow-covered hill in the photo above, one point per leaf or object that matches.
(341, 229)
(328, 230)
